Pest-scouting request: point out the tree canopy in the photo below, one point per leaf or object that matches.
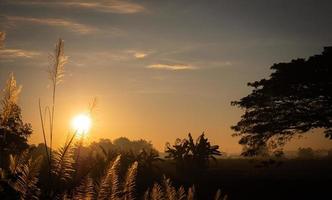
(296, 98)
(13, 131)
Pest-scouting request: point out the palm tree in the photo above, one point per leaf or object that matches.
(202, 151)
(195, 155)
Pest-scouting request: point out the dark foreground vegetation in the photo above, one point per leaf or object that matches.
(98, 172)
(250, 179)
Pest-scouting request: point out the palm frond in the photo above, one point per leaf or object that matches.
(27, 178)
(62, 163)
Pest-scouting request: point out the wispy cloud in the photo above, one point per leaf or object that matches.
(17, 53)
(140, 55)
(173, 67)
(68, 24)
(111, 6)
(13, 53)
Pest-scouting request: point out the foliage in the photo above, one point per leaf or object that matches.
(305, 153)
(20, 181)
(13, 131)
(27, 179)
(148, 158)
(62, 164)
(197, 154)
(123, 144)
(296, 98)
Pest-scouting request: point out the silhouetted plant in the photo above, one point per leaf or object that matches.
(62, 164)
(197, 154)
(111, 186)
(123, 144)
(27, 178)
(21, 178)
(178, 152)
(13, 131)
(296, 98)
(56, 73)
(85, 190)
(148, 158)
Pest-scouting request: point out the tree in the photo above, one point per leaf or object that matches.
(123, 144)
(295, 99)
(148, 158)
(196, 155)
(13, 131)
(305, 153)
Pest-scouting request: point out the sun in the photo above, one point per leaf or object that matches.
(81, 123)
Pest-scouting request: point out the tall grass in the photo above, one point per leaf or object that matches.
(56, 73)
(166, 191)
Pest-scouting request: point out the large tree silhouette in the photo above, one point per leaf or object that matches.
(296, 98)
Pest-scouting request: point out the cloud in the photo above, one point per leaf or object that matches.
(71, 25)
(111, 6)
(174, 67)
(140, 55)
(222, 63)
(17, 53)
(13, 53)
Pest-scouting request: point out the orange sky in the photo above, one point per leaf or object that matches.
(159, 69)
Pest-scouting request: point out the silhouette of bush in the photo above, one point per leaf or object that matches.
(190, 155)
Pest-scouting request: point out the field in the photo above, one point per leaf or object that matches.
(244, 179)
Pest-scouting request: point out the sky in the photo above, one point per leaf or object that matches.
(159, 69)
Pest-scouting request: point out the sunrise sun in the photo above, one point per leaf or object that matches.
(81, 123)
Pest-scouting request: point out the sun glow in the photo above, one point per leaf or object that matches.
(81, 124)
